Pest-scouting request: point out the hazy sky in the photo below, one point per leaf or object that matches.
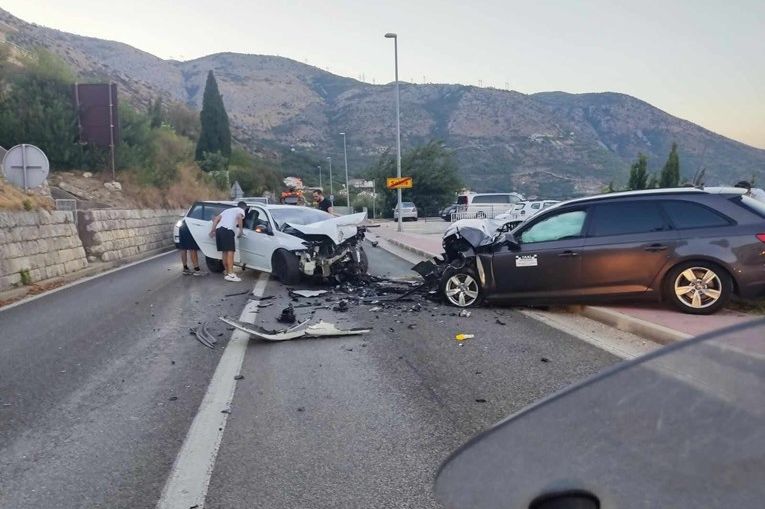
(700, 60)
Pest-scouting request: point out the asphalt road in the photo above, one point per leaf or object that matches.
(100, 382)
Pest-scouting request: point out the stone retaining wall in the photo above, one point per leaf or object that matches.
(35, 246)
(109, 234)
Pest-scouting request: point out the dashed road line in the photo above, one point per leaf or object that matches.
(187, 484)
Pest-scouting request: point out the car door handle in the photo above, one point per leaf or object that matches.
(567, 254)
(654, 248)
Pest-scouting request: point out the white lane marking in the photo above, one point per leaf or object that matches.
(80, 281)
(613, 341)
(187, 484)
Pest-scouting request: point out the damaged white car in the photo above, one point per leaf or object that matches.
(286, 240)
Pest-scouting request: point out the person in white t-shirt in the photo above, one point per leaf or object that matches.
(223, 228)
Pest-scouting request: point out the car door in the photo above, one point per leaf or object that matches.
(258, 242)
(547, 260)
(199, 222)
(627, 244)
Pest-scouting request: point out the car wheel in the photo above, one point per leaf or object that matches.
(698, 288)
(214, 265)
(460, 287)
(285, 267)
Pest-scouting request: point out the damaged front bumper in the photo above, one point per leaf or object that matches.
(346, 259)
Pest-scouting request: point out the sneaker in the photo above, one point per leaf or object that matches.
(232, 277)
(186, 271)
(197, 272)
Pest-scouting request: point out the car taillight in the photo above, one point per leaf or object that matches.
(761, 237)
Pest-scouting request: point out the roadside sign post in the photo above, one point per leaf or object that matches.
(399, 183)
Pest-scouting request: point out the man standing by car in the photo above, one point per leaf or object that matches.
(223, 227)
(188, 246)
(324, 203)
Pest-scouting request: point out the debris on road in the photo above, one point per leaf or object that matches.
(239, 377)
(463, 337)
(236, 294)
(307, 293)
(465, 313)
(321, 329)
(203, 336)
(500, 322)
(288, 315)
(480, 400)
(544, 359)
(342, 306)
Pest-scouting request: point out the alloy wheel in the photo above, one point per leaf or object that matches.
(698, 287)
(461, 290)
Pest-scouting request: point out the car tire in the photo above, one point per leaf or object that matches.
(461, 288)
(698, 288)
(214, 265)
(285, 267)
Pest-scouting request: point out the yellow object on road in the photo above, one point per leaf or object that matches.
(463, 337)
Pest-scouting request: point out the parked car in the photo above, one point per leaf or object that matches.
(691, 247)
(486, 205)
(525, 209)
(408, 211)
(286, 240)
(446, 212)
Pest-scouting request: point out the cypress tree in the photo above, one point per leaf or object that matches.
(639, 174)
(670, 174)
(216, 134)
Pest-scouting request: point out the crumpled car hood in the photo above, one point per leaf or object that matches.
(477, 232)
(338, 228)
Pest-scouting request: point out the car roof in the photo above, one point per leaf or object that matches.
(269, 206)
(690, 191)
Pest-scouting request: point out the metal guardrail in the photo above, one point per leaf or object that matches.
(68, 205)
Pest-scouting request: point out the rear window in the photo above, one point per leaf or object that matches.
(626, 218)
(492, 198)
(407, 204)
(206, 211)
(686, 215)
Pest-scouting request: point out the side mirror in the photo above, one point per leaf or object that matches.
(264, 228)
(511, 242)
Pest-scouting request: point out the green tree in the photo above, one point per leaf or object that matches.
(183, 120)
(155, 113)
(670, 174)
(36, 107)
(639, 174)
(216, 133)
(434, 173)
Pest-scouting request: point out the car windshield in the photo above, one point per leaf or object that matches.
(298, 215)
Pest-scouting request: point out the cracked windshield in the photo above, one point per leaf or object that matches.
(341, 254)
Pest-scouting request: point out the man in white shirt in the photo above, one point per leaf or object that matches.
(223, 227)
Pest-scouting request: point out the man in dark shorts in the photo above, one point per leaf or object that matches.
(324, 203)
(223, 227)
(188, 246)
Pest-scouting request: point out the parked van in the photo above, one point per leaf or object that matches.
(483, 205)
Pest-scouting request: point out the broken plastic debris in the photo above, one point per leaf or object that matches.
(288, 315)
(342, 306)
(376, 308)
(465, 313)
(463, 337)
(321, 329)
(308, 293)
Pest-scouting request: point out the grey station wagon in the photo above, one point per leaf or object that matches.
(691, 247)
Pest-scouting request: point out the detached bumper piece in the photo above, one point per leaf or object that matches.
(321, 329)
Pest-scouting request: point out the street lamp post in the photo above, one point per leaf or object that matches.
(393, 36)
(320, 185)
(331, 190)
(347, 184)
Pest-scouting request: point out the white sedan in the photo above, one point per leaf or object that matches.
(285, 240)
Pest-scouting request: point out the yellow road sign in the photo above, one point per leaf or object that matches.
(399, 183)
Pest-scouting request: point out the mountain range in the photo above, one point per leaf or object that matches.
(551, 144)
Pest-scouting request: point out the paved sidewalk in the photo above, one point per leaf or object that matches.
(651, 320)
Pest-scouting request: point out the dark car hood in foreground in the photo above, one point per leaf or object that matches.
(683, 427)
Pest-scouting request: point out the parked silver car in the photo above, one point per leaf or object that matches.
(408, 211)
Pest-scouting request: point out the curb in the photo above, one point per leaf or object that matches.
(625, 323)
(620, 321)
